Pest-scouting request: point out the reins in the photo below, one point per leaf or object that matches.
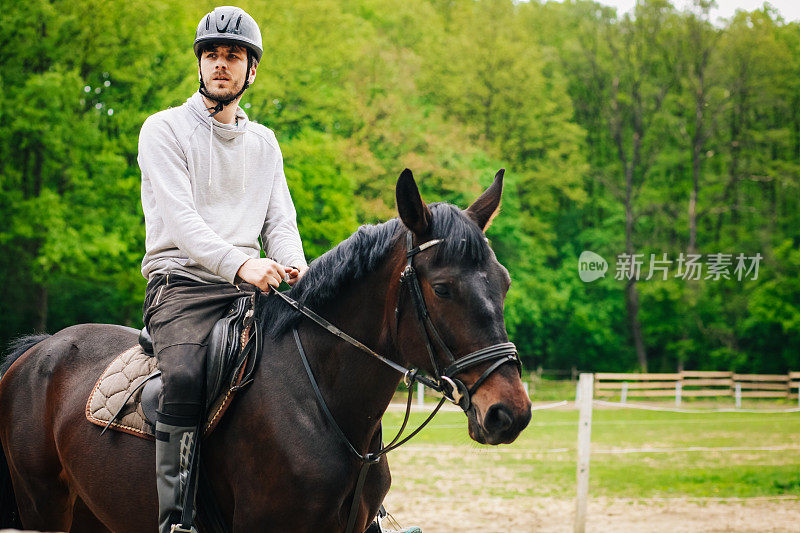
(406, 372)
(451, 388)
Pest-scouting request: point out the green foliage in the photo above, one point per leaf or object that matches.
(569, 97)
(322, 189)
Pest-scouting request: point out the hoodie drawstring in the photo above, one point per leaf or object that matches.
(210, 151)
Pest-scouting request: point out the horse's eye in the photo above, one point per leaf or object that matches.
(441, 290)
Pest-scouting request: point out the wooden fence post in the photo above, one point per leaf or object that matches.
(420, 394)
(794, 383)
(585, 388)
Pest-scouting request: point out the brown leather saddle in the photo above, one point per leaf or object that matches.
(234, 347)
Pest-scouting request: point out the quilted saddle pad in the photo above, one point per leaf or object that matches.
(125, 373)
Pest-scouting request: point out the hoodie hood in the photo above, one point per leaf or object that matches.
(225, 131)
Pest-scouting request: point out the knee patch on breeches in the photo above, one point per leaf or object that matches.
(183, 378)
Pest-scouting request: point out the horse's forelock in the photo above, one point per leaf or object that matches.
(462, 239)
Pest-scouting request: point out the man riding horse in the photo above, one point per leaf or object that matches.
(212, 184)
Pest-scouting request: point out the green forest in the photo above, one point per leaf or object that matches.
(654, 137)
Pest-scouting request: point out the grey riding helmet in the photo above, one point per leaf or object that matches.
(231, 25)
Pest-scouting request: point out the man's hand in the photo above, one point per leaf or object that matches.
(295, 274)
(263, 272)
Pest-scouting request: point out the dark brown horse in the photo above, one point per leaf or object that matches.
(275, 462)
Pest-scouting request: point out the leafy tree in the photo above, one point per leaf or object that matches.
(654, 132)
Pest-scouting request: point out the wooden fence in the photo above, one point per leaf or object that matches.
(697, 384)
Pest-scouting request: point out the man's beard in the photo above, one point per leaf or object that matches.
(220, 95)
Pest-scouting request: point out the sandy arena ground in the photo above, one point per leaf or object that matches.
(442, 498)
(549, 515)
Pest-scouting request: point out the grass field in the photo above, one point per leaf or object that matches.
(636, 456)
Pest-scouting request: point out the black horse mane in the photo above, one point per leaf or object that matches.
(339, 268)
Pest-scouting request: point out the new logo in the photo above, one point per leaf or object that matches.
(591, 266)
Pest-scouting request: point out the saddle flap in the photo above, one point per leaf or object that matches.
(224, 345)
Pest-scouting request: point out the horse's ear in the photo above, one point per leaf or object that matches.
(485, 208)
(412, 210)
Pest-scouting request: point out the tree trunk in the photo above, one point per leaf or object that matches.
(631, 294)
(632, 304)
(697, 148)
(693, 203)
(731, 193)
(701, 46)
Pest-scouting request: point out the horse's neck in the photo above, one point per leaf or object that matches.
(356, 386)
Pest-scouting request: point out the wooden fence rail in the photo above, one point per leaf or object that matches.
(697, 384)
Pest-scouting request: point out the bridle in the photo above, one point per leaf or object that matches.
(444, 382)
(447, 383)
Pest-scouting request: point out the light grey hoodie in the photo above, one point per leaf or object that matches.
(209, 190)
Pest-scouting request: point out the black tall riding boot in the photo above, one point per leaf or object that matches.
(175, 451)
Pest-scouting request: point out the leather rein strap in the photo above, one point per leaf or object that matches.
(409, 375)
(446, 383)
(367, 459)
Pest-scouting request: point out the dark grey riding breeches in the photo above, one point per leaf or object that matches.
(179, 314)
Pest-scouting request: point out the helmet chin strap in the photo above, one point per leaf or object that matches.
(222, 103)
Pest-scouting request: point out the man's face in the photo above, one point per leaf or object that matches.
(224, 69)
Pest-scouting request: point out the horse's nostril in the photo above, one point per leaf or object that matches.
(498, 418)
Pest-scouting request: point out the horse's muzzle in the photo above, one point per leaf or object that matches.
(501, 424)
